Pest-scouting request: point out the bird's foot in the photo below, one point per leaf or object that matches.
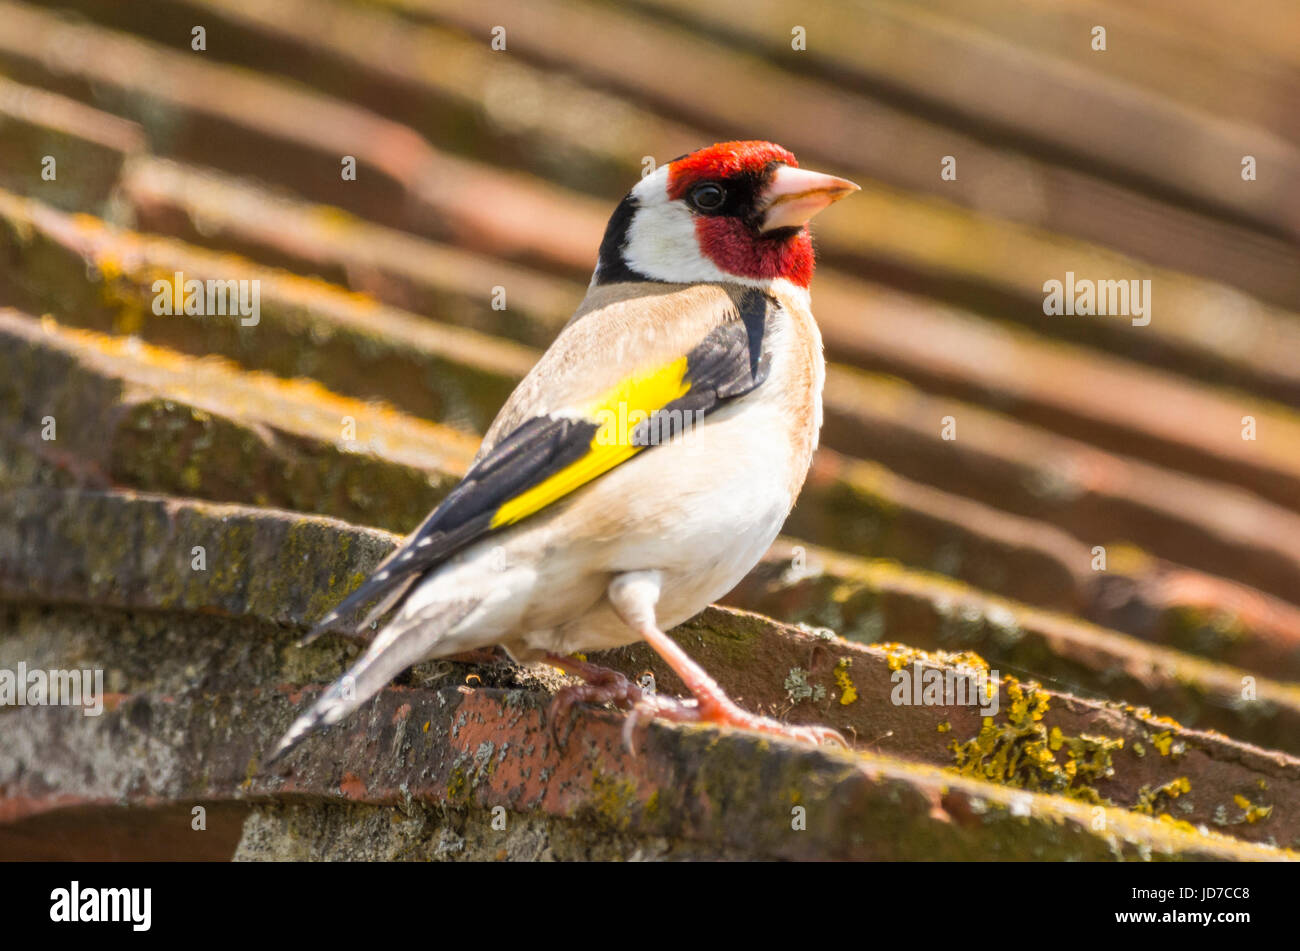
(602, 686)
(609, 686)
(720, 711)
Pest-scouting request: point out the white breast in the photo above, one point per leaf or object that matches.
(707, 506)
(702, 509)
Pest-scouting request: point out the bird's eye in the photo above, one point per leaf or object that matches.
(708, 196)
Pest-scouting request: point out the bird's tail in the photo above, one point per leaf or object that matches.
(406, 641)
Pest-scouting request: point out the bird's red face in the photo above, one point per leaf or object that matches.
(736, 209)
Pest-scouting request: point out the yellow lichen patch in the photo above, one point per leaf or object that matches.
(1151, 802)
(901, 655)
(1032, 703)
(848, 692)
(964, 659)
(1182, 824)
(1021, 752)
(457, 784)
(1164, 721)
(1164, 742)
(1251, 812)
(944, 727)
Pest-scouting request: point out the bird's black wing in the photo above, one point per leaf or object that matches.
(547, 457)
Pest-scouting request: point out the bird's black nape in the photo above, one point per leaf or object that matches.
(611, 265)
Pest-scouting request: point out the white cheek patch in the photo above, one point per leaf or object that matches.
(661, 241)
(661, 244)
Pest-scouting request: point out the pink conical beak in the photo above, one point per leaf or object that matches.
(794, 195)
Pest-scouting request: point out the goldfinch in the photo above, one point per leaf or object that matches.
(642, 467)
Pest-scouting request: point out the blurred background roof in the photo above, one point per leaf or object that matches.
(1140, 475)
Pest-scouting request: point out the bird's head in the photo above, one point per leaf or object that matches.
(733, 211)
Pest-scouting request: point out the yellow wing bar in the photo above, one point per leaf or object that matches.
(616, 412)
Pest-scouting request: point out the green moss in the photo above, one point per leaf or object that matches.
(730, 637)
(614, 799)
(1210, 633)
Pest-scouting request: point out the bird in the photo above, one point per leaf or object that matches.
(641, 468)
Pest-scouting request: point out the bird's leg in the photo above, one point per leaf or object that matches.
(602, 686)
(634, 597)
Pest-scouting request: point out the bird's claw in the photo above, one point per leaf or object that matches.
(609, 686)
(722, 712)
(821, 735)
